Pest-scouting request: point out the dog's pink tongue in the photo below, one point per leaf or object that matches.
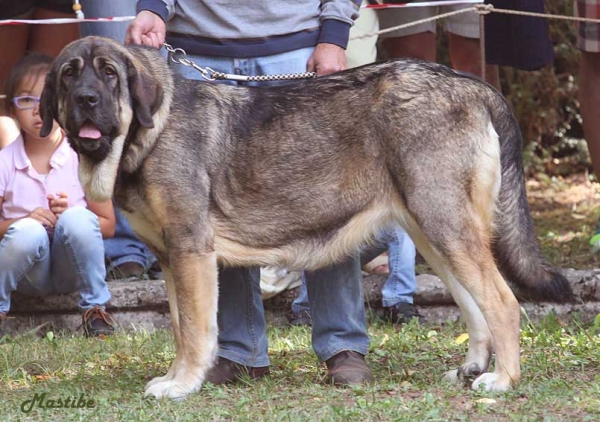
(90, 131)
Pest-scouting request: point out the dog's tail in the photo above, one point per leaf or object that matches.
(515, 246)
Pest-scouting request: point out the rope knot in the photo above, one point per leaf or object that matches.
(483, 9)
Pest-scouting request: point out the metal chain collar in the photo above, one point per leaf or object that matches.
(178, 55)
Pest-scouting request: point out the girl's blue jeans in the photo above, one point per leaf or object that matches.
(72, 261)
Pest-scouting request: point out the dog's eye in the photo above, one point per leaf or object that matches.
(69, 71)
(109, 71)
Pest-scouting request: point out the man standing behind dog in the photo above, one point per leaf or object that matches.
(269, 38)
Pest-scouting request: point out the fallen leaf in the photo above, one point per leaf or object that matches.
(462, 338)
(485, 400)
(384, 340)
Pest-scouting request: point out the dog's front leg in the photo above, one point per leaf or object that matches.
(195, 293)
(174, 311)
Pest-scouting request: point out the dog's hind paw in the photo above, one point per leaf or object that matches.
(491, 381)
(175, 390)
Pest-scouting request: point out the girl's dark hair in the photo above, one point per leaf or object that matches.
(33, 64)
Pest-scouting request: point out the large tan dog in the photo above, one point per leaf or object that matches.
(300, 176)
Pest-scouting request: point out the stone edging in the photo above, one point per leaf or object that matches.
(144, 303)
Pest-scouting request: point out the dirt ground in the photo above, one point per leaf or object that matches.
(566, 212)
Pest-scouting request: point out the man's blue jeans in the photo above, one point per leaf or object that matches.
(401, 283)
(72, 262)
(335, 293)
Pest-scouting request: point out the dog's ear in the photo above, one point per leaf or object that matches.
(48, 104)
(146, 93)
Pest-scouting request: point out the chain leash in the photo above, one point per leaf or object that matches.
(179, 56)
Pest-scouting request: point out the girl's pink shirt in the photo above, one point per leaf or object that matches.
(24, 189)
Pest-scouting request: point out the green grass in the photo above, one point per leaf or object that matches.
(561, 378)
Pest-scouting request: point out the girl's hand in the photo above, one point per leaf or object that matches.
(44, 216)
(58, 204)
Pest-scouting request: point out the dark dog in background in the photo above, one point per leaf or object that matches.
(302, 175)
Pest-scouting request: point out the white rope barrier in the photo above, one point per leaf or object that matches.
(421, 4)
(63, 20)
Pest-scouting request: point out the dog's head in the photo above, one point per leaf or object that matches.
(95, 88)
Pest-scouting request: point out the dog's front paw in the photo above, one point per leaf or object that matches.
(171, 389)
(492, 382)
(451, 377)
(157, 380)
(464, 374)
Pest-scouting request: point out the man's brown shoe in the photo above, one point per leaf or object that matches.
(348, 367)
(226, 371)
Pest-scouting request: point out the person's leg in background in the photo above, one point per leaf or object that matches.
(13, 39)
(339, 331)
(416, 41)
(464, 45)
(16, 39)
(300, 314)
(25, 262)
(77, 256)
(243, 342)
(50, 39)
(401, 284)
(105, 9)
(242, 336)
(339, 334)
(364, 50)
(588, 42)
(420, 41)
(126, 255)
(589, 99)
(46, 39)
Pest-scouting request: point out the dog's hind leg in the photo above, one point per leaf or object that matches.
(196, 294)
(480, 338)
(487, 304)
(481, 278)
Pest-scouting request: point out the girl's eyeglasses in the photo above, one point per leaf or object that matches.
(26, 102)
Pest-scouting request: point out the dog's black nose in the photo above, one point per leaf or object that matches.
(88, 99)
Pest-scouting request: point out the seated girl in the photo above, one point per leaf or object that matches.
(51, 236)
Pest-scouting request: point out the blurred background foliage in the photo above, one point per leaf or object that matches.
(546, 103)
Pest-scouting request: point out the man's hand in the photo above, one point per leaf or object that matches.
(326, 59)
(146, 29)
(58, 204)
(44, 216)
